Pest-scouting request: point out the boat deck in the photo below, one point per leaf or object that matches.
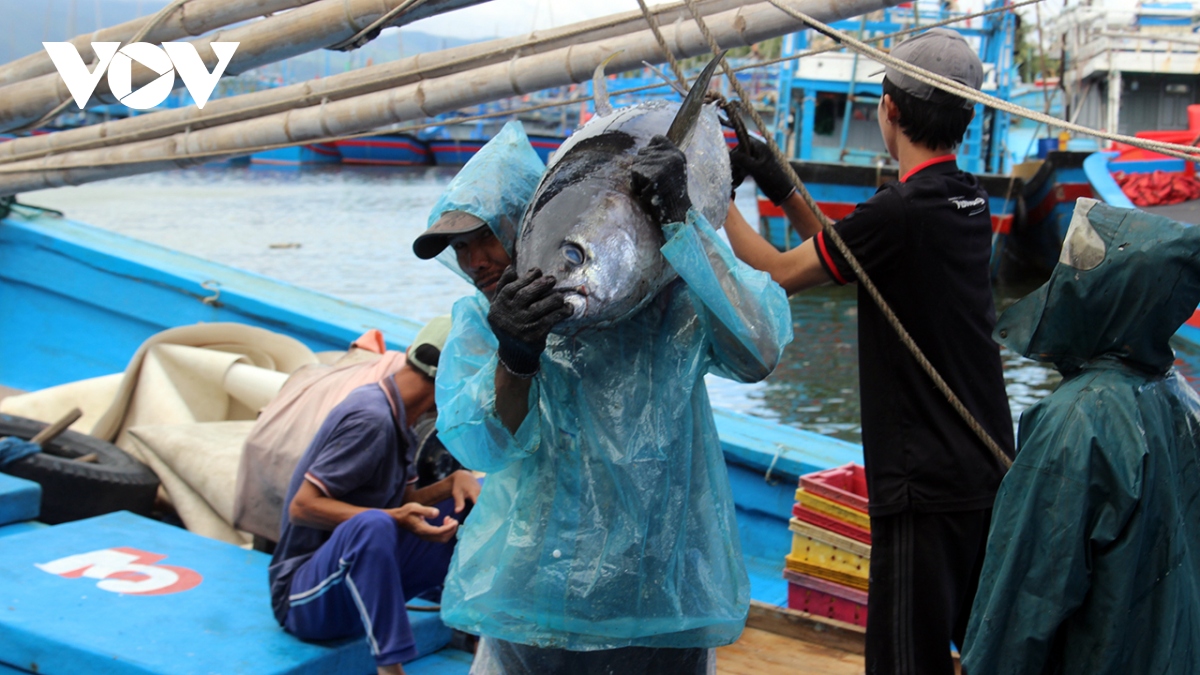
(760, 652)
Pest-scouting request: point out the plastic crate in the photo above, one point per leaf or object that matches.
(846, 485)
(826, 599)
(833, 509)
(802, 529)
(832, 524)
(816, 558)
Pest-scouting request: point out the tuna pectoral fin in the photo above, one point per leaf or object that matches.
(600, 87)
(685, 120)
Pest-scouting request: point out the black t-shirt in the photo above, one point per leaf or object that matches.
(926, 242)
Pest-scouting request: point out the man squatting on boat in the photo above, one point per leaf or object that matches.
(358, 538)
(925, 241)
(604, 538)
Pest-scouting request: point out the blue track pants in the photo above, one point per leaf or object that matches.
(358, 581)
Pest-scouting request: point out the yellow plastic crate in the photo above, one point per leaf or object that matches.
(820, 572)
(833, 509)
(801, 530)
(815, 557)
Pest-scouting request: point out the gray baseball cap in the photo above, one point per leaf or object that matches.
(941, 51)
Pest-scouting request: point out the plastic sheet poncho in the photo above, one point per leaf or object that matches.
(607, 521)
(494, 186)
(1093, 562)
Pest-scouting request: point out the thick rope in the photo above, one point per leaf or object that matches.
(304, 101)
(652, 21)
(860, 273)
(247, 113)
(972, 94)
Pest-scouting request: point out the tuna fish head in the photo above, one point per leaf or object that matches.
(585, 228)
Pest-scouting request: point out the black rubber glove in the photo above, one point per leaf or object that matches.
(522, 314)
(752, 157)
(660, 181)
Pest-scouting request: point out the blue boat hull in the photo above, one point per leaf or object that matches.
(385, 149)
(298, 155)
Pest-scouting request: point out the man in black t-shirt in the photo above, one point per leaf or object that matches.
(925, 242)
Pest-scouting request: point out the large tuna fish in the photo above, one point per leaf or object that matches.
(585, 228)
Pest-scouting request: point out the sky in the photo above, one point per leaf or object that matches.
(507, 18)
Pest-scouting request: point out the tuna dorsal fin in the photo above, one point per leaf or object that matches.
(600, 88)
(685, 120)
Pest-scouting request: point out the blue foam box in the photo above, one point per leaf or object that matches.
(121, 594)
(20, 499)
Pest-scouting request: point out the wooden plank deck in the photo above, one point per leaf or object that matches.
(759, 652)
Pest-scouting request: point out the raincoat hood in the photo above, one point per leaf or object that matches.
(1124, 283)
(494, 186)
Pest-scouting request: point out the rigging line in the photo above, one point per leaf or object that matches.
(662, 43)
(865, 281)
(369, 33)
(150, 25)
(381, 82)
(247, 113)
(971, 94)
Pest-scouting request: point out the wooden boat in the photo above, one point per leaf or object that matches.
(90, 297)
(385, 149)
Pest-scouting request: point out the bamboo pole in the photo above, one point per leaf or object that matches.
(344, 85)
(741, 27)
(272, 39)
(194, 18)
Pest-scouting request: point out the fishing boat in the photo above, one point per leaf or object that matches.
(299, 155)
(77, 302)
(160, 289)
(395, 149)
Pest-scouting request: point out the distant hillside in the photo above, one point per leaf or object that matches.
(27, 24)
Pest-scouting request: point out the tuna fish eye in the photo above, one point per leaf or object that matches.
(573, 253)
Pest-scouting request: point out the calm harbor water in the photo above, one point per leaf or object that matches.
(348, 231)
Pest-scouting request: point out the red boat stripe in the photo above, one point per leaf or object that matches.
(1195, 320)
(1065, 192)
(1001, 223)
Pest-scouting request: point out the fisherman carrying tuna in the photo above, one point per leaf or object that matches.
(925, 241)
(604, 539)
(358, 538)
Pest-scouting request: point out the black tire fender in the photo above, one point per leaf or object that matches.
(74, 490)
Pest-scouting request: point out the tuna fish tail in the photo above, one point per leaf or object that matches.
(600, 88)
(685, 120)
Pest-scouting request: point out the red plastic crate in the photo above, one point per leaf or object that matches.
(832, 524)
(846, 485)
(824, 604)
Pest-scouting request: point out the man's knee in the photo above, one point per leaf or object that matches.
(368, 530)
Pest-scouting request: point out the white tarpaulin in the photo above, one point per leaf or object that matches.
(183, 406)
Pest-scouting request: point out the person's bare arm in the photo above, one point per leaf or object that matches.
(794, 270)
(800, 216)
(311, 508)
(461, 485)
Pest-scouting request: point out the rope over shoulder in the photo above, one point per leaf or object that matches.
(831, 233)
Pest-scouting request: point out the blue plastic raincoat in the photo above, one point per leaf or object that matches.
(607, 521)
(1093, 562)
(494, 186)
